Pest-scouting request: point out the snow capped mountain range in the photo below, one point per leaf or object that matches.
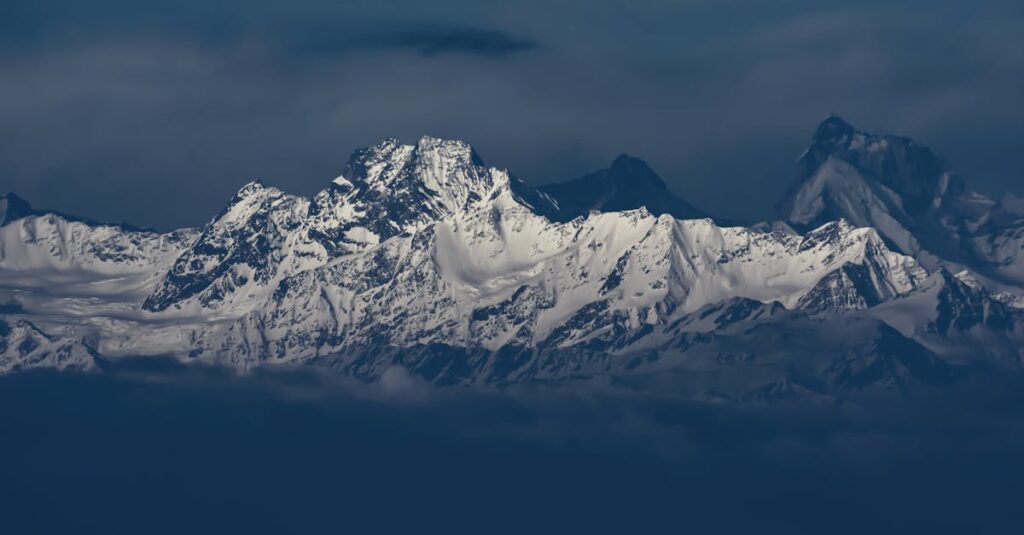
(420, 256)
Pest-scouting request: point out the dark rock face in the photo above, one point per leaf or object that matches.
(889, 360)
(629, 183)
(962, 308)
(911, 170)
(13, 208)
(908, 193)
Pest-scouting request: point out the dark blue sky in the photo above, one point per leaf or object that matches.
(156, 112)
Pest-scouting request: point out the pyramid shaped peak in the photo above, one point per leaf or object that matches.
(633, 171)
(626, 160)
(13, 207)
(12, 198)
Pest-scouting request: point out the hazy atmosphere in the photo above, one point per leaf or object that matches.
(581, 266)
(157, 112)
(198, 450)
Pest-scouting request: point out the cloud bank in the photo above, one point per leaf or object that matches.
(159, 448)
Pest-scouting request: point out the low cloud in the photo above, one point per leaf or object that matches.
(305, 451)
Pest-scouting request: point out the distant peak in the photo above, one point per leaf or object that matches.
(625, 160)
(629, 169)
(13, 207)
(11, 200)
(833, 129)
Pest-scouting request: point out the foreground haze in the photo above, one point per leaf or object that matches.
(162, 449)
(586, 266)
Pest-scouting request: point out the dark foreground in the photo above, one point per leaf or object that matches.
(161, 449)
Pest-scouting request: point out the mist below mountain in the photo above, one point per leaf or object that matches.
(155, 447)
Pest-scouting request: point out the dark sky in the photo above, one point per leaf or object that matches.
(156, 112)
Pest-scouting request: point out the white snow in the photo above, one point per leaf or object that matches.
(464, 264)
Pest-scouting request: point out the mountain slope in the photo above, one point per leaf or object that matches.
(505, 277)
(12, 208)
(24, 346)
(958, 321)
(40, 241)
(419, 256)
(387, 190)
(910, 196)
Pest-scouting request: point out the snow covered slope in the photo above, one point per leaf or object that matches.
(502, 277)
(52, 242)
(265, 235)
(24, 346)
(420, 256)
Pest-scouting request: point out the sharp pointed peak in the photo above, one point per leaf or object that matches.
(632, 168)
(11, 196)
(835, 118)
(627, 160)
(13, 207)
(833, 128)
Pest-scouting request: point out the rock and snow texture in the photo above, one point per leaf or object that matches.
(910, 197)
(13, 207)
(50, 242)
(265, 235)
(501, 278)
(25, 346)
(421, 256)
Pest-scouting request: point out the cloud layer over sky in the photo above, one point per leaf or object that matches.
(157, 113)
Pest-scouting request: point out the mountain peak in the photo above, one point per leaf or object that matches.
(626, 159)
(905, 191)
(629, 170)
(251, 187)
(383, 163)
(448, 149)
(454, 146)
(633, 171)
(834, 130)
(905, 167)
(13, 207)
(629, 183)
(11, 196)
